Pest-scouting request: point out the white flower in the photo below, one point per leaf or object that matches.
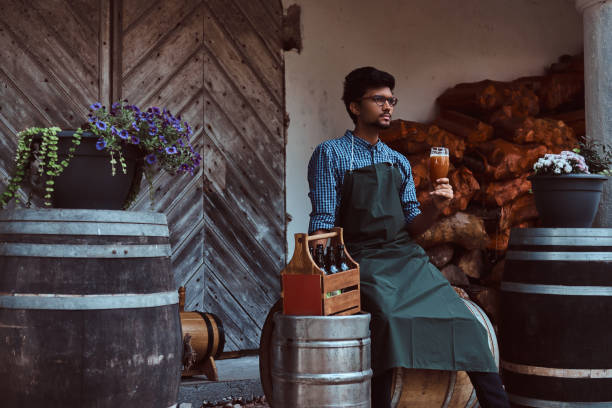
(568, 168)
(557, 170)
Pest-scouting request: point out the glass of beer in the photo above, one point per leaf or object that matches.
(438, 163)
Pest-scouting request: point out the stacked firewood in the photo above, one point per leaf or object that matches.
(495, 132)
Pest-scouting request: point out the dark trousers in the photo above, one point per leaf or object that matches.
(488, 386)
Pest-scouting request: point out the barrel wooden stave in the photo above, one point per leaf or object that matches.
(207, 334)
(553, 332)
(123, 352)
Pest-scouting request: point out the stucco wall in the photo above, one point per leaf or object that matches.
(428, 45)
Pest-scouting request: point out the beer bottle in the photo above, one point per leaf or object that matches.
(331, 260)
(342, 266)
(320, 258)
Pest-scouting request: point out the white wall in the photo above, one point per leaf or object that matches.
(428, 45)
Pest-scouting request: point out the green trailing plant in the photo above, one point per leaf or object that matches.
(39, 145)
(162, 139)
(598, 156)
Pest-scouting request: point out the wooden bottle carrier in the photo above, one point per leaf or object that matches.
(305, 285)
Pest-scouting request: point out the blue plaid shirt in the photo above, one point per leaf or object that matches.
(331, 159)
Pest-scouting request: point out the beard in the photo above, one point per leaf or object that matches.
(381, 125)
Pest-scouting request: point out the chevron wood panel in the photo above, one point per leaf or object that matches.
(244, 205)
(53, 65)
(161, 65)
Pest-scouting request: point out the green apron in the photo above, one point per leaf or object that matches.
(418, 320)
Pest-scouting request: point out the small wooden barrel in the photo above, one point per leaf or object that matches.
(207, 339)
(435, 388)
(555, 318)
(88, 310)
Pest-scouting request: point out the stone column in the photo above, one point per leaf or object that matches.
(597, 21)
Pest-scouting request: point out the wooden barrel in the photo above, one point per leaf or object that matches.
(320, 361)
(412, 388)
(555, 329)
(206, 338)
(88, 310)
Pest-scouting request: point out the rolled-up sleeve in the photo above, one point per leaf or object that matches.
(323, 184)
(410, 204)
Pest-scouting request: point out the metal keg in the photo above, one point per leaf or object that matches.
(321, 361)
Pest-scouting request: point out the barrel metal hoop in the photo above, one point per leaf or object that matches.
(105, 216)
(318, 379)
(83, 228)
(87, 302)
(586, 241)
(322, 344)
(556, 289)
(557, 372)
(558, 256)
(540, 403)
(85, 251)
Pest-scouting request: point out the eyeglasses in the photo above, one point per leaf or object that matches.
(380, 100)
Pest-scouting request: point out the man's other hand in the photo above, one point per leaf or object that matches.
(442, 193)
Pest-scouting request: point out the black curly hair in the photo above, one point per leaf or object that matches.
(358, 81)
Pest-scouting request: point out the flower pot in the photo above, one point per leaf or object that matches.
(567, 201)
(88, 182)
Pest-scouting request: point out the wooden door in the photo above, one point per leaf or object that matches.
(217, 63)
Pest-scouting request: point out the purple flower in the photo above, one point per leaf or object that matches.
(163, 139)
(124, 134)
(135, 140)
(151, 158)
(91, 119)
(156, 110)
(135, 127)
(114, 130)
(115, 105)
(101, 144)
(152, 130)
(96, 106)
(101, 125)
(171, 150)
(180, 142)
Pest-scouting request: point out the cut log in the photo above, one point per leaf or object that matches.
(501, 192)
(441, 255)
(412, 138)
(488, 299)
(498, 241)
(471, 129)
(568, 63)
(404, 129)
(503, 160)
(549, 132)
(455, 275)
(464, 186)
(461, 228)
(574, 119)
(496, 275)
(471, 263)
(562, 92)
(518, 211)
(419, 163)
(481, 99)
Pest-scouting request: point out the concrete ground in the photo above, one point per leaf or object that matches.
(238, 384)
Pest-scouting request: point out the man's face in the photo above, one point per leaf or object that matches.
(369, 110)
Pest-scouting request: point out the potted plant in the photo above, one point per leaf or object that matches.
(566, 191)
(78, 168)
